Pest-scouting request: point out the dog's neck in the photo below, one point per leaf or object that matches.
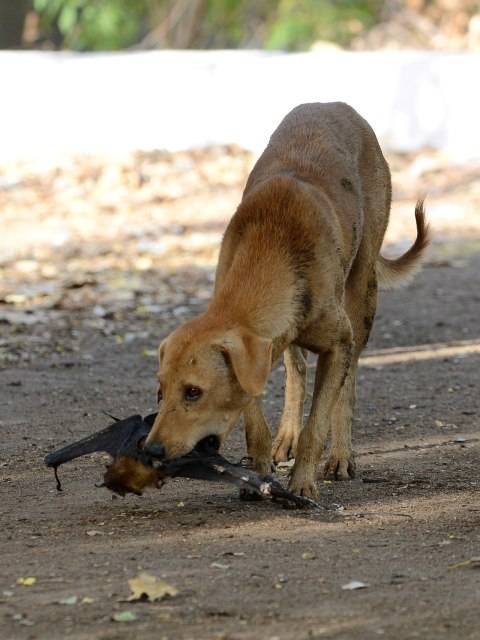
(266, 252)
(258, 291)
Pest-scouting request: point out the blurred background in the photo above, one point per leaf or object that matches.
(290, 25)
(128, 128)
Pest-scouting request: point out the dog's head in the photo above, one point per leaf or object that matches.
(207, 376)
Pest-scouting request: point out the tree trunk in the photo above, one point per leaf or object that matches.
(12, 19)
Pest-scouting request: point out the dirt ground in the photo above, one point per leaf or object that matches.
(98, 262)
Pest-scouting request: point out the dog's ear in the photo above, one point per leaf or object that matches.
(161, 353)
(251, 359)
(161, 350)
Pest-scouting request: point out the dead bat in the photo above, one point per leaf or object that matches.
(129, 471)
(133, 469)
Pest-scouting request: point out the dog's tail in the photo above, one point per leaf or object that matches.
(395, 273)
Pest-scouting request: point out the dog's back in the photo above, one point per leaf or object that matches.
(314, 140)
(330, 146)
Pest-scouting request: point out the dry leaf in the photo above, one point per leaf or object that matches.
(472, 562)
(69, 600)
(21, 619)
(308, 555)
(459, 565)
(354, 585)
(27, 582)
(124, 616)
(150, 587)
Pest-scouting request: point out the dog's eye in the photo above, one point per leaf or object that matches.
(159, 395)
(192, 393)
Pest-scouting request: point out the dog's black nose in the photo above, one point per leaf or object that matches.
(155, 449)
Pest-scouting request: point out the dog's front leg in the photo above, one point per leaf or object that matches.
(333, 368)
(259, 438)
(285, 444)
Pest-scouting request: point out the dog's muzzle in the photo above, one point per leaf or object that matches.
(155, 451)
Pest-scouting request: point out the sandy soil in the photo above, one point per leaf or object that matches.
(79, 321)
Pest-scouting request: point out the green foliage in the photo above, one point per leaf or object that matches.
(94, 24)
(273, 24)
(238, 23)
(301, 23)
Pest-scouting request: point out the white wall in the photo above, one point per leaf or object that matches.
(57, 103)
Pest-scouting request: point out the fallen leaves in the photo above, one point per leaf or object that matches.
(106, 245)
(148, 587)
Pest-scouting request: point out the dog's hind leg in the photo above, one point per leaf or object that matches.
(259, 438)
(285, 444)
(341, 462)
(361, 308)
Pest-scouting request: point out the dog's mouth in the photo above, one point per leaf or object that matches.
(155, 451)
(208, 445)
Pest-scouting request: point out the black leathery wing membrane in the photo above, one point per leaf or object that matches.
(120, 438)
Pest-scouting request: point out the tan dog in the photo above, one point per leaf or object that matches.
(298, 269)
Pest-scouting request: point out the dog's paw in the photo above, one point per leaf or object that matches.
(263, 466)
(284, 447)
(339, 467)
(302, 483)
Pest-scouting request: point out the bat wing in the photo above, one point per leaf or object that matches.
(120, 438)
